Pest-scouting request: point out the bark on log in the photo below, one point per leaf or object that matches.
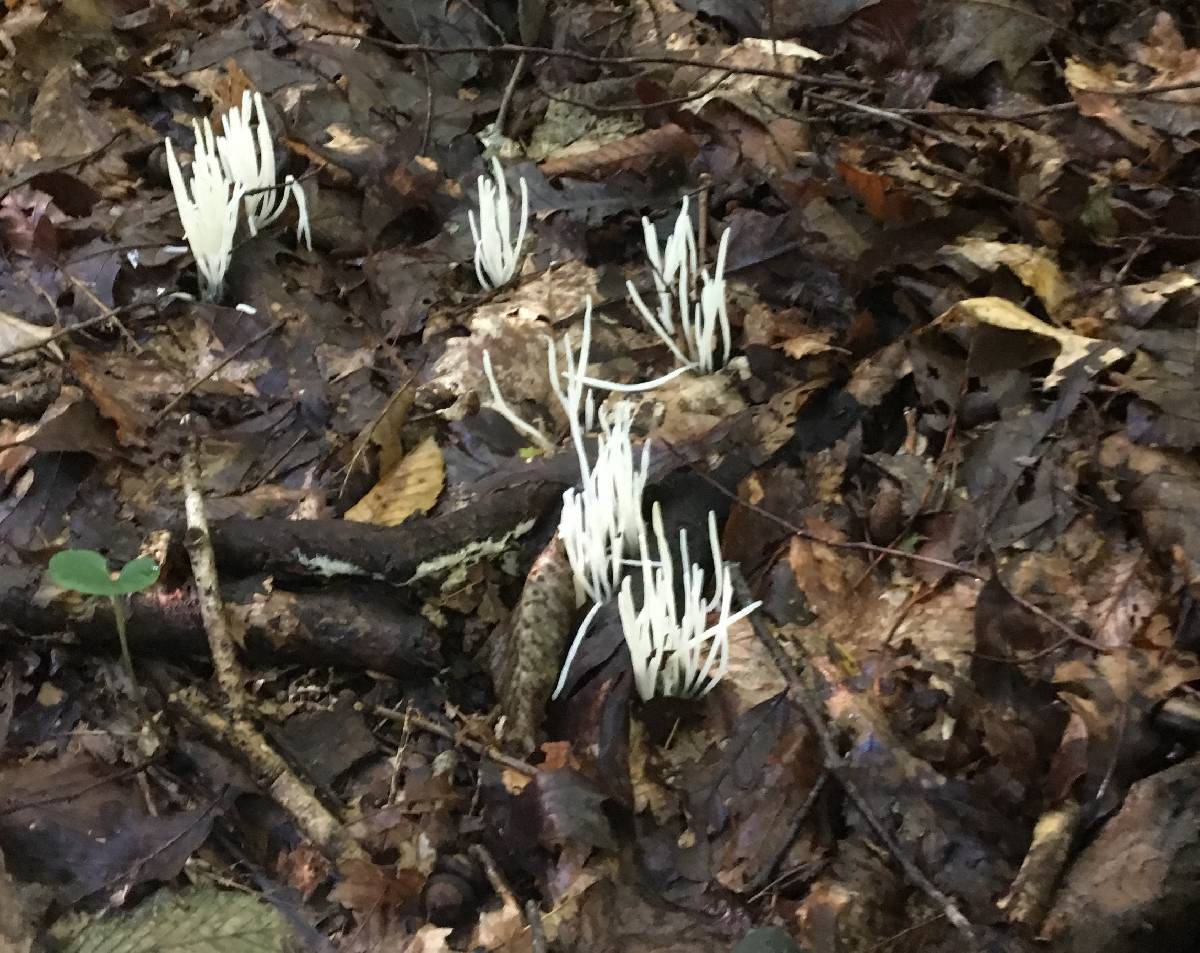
(308, 549)
(342, 624)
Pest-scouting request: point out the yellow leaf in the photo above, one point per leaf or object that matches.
(1033, 266)
(412, 486)
(1003, 314)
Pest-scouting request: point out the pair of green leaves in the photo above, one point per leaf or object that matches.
(86, 571)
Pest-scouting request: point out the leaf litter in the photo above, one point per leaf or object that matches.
(953, 454)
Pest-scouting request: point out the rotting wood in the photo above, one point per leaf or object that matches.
(349, 625)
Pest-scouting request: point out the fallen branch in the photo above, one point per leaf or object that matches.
(317, 823)
(228, 669)
(344, 625)
(1033, 890)
(328, 549)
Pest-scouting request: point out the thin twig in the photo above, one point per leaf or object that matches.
(957, 568)
(199, 546)
(364, 438)
(516, 49)
(987, 114)
(427, 126)
(492, 871)
(807, 698)
(507, 98)
(317, 822)
(412, 717)
(604, 108)
(65, 332)
(217, 368)
(890, 115)
(964, 179)
(103, 308)
(57, 165)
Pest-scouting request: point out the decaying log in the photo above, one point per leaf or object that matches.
(342, 624)
(504, 507)
(308, 549)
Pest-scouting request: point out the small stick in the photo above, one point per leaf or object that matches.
(229, 358)
(415, 718)
(1031, 892)
(204, 567)
(66, 332)
(494, 876)
(808, 699)
(509, 90)
(316, 822)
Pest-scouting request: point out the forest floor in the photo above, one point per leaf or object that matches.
(953, 451)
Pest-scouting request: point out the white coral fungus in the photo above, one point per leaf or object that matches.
(497, 256)
(248, 157)
(208, 210)
(674, 650)
(703, 318)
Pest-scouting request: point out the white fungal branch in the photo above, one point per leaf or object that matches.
(703, 317)
(248, 156)
(600, 521)
(674, 650)
(673, 264)
(497, 256)
(208, 210)
(576, 398)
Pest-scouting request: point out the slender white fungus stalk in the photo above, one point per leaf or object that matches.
(576, 398)
(497, 256)
(208, 210)
(601, 519)
(501, 406)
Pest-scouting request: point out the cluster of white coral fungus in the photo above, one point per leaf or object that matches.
(248, 158)
(497, 255)
(208, 210)
(674, 649)
(703, 316)
(226, 169)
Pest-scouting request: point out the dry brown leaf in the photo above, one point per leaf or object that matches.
(502, 930)
(1088, 88)
(412, 486)
(638, 152)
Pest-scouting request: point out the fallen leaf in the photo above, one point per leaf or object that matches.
(1003, 314)
(16, 334)
(412, 486)
(204, 919)
(1034, 266)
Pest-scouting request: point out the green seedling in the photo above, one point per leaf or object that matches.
(86, 571)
